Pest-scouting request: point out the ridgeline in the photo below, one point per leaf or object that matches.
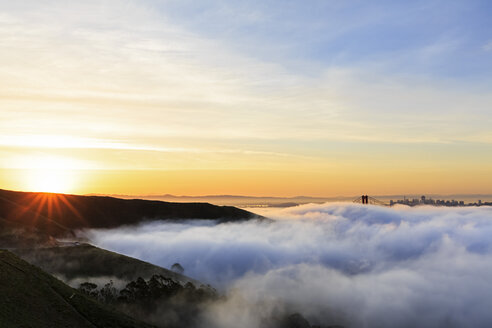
(59, 214)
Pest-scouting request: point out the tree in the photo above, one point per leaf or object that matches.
(176, 267)
(108, 293)
(88, 288)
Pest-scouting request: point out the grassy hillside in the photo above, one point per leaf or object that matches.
(33, 298)
(87, 261)
(58, 214)
(13, 236)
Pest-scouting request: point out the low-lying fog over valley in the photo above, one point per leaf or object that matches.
(336, 264)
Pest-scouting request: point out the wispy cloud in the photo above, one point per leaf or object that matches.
(125, 66)
(487, 46)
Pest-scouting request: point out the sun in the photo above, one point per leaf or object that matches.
(49, 180)
(49, 174)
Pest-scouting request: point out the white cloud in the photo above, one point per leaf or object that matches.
(487, 46)
(337, 264)
(125, 71)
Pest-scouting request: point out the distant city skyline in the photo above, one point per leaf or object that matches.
(437, 202)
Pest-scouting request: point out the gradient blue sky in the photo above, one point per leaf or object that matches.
(258, 97)
(436, 39)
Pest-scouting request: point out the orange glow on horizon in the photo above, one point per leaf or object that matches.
(255, 182)
(87, 171)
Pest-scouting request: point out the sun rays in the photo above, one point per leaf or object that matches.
(46, 208)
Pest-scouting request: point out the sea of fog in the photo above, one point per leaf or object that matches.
(337, 263)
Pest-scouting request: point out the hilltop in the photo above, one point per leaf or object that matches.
(59, 214)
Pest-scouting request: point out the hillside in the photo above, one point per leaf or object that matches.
(33, 298)
(89, 263)
(59, 214)
(13, 236)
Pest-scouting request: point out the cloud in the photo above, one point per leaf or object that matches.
(487, 46)
(114, 64)
(362, 266)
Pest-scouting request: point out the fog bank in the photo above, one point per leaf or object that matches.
(361, 266)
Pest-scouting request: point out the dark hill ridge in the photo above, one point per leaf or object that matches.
(33, 298)
(57, 214)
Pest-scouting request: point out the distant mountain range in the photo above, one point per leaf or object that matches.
(267, 201)
(241, 201)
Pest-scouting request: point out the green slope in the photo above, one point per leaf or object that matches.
(87, 261)
(30, 297)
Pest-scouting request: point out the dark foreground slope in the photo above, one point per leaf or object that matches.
(33, 298)
(141, 290)
(91, 263)
(57, 214)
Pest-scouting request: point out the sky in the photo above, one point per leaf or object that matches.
(284, 98)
